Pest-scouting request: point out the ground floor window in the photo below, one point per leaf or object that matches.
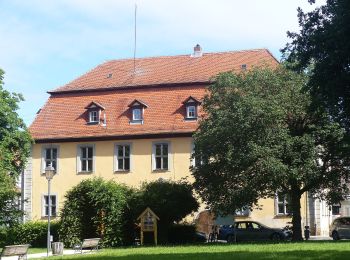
(283, 202)
(53, 205)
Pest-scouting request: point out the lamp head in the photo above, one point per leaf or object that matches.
(49, 172)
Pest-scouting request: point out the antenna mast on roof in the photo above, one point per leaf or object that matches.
(135, 39)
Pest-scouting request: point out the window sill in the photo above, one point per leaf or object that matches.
(191, 119)
(160, 170)
(122, 172)
(282, 216)
(92, 123)
(242, 216)
(82, 173)
(51, 217)
(136, 122)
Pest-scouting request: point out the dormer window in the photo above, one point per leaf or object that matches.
(191, 112)
(137, 110)
(136, 114)
(93, 117)
(94, 112)
(191, 105)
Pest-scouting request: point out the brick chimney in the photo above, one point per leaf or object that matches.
(197, 51)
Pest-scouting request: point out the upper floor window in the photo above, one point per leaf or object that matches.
(191, 105)
(94, 111)
(160, 156)
(282, 201)
(86, 158)
(49, 157)
(123, 152)
(137, 111)
(52, 208)
(93, 116)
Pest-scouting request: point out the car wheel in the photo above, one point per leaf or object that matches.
(230, 239)
(276, 237)
(335, 235)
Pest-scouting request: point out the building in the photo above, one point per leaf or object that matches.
(130, 121)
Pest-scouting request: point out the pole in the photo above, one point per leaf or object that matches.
(48, 216)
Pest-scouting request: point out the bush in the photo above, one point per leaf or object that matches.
(171, 201)
(97, 208)
(33, 233)
(181, 234)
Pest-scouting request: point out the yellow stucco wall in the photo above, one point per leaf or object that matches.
(141, 171)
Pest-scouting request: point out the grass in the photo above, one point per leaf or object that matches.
(36, 250)
(286, 251)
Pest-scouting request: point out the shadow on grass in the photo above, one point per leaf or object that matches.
(292, 255)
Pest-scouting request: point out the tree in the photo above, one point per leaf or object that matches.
(260, 137)
(96, 207)
(15, 143)
(171, 201)
(323, 47)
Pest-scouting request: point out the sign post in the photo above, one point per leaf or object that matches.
(148, 224)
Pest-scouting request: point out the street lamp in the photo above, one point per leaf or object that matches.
(49, 173)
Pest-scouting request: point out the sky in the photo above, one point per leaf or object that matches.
(45, 44)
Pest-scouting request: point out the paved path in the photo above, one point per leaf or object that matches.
(41, 255)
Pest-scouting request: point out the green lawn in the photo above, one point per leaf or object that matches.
(308, 250)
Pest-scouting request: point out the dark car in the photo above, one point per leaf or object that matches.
(340, 228)
(251, 230)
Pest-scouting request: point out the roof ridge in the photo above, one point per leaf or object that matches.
(183, 55)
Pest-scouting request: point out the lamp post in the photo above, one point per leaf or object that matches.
(49, 173)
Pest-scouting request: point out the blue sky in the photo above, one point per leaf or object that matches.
(46, 43)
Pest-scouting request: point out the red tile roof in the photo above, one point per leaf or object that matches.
(64, 115)
(165, 70)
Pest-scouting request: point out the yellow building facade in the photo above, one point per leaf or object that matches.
(132, 122)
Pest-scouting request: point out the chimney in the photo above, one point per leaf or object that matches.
(197, 51)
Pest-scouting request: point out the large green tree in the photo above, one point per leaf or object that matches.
(260, 137)
(15, 144)
(323, 47)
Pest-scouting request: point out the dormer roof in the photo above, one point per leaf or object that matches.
(137, 102)
(191, 99)
(94, 104)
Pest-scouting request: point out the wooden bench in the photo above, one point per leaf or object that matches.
(15, 250)
(91, 243)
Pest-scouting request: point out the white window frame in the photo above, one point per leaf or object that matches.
(134, 114)
(188, 111)
(116, 157)
(79, 157)
(43, 157)
(242, 213)
(44, 205)
(92, 115)
(284, 203)
(154, 144)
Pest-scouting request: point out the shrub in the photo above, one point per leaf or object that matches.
(181, 234)
(96, 207)
(171, 201)
(33, 233)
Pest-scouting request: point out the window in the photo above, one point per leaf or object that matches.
(242, 212)
(49, 157)
(53, 205)
(196, 161)
(191, 112)
(93, 116)
(336, 209)
(86, 158)
(191, 105)
(161, 156)
(136, 114)
(123, 157)
(282, 201)
(137, 109)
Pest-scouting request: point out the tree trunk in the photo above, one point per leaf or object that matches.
(296, 220)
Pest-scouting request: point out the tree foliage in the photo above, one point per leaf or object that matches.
(323, 47)
(96, 208)
(15, 144)
(260, 136)
(171, 201)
